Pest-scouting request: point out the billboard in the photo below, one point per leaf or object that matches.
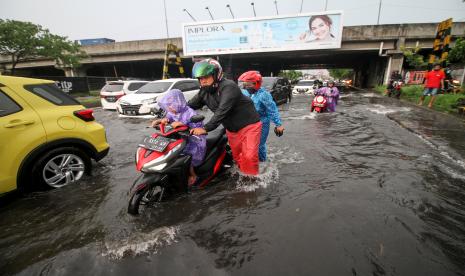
(280, 33)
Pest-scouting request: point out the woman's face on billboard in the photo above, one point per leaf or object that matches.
(320, 29)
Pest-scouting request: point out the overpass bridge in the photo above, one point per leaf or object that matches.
(373, 51)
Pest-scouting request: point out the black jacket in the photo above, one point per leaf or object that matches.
(230, 107)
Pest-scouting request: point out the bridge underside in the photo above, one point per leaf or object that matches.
(367, 64)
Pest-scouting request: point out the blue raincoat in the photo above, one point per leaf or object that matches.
(174, 101)
(268, 112)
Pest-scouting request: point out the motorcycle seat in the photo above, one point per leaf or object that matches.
(214, 137)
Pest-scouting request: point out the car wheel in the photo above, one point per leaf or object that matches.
(61, 167)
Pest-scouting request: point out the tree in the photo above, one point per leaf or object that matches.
(340, 73)
(64, 52)
(413, 58)
(24, 40)
(19, 40)
(292, 75)
(457, 54)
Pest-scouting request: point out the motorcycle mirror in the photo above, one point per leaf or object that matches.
(197, 118)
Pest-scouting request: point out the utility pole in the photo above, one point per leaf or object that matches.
(301, 5)
(211, 16)
(276, 5)
(229, 7)
(326, 5)
(379, 11)
(166, 20)
(253, 7)
(189, 15)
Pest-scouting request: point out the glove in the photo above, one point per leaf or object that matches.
(278, 132)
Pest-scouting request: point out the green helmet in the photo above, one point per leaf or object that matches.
(207, 67)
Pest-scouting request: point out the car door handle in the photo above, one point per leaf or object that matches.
(19, 123)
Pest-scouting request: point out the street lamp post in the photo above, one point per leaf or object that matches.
(326, 5)
(253, 7)
(301, 5)
(379, 11)
(229, 7)
(211, 16)
(166, 20)
(189, 14)
(276, 5)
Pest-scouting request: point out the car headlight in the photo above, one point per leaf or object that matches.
(150, 101)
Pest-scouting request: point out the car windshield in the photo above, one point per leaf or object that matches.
(305, 83)
(154, 87)
(268, 83)
(113, 87)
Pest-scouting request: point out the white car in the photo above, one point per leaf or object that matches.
(304, 87)
(144, 101)
(114, 90)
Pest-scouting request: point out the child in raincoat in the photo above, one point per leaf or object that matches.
(178, 113)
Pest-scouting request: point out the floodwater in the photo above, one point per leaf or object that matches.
(377, 188)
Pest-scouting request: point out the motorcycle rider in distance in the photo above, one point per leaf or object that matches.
(230, 108)
(331, 93)
(251, 82)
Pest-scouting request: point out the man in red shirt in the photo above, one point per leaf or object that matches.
(434, 80)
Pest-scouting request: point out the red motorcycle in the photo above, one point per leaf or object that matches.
(165, 169)
(394, 89)
(319, 104)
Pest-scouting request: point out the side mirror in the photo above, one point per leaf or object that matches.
(197, 118)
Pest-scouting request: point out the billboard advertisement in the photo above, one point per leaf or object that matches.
(280, 33)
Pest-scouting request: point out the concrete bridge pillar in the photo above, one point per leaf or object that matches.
(395, 63)
(73, 72)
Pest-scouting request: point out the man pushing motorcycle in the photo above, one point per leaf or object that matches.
(232, 109)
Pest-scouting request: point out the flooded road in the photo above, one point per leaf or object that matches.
(377, 188)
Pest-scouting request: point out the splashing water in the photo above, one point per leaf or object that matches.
(310, 116)
(269, 171)
(371, 95)
(381, 109)
(141, 243)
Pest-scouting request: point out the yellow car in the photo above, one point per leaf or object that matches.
(47, 138)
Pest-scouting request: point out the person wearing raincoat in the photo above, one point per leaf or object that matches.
(251, 82)
(178, 113)
(331, 93)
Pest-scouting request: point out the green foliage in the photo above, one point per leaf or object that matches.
(457, 54)
(24, 40)
(340, 73)
(413, 58)
(19, 40)
(64, 52)
(380, 89)
(292, 75)
(412, 93)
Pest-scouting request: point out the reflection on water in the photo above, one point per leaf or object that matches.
(377, 188)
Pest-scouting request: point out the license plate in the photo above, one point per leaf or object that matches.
(130, 112)
(111, 99)
(156, 144)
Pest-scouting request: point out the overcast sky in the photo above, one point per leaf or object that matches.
(144, 19)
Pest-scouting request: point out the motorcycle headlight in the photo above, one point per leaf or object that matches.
(160, 163)
(150, 101)
(455, 82)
